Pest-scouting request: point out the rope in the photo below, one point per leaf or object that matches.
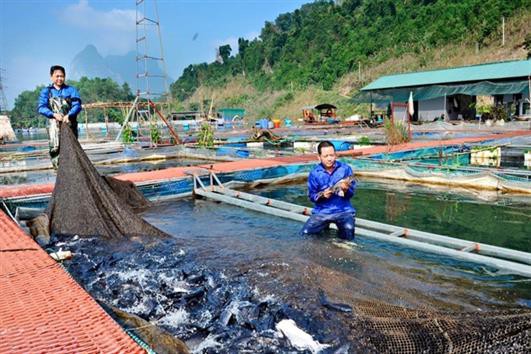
(140, 342)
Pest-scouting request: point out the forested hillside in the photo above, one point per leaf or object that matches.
(322, 41)
(325, 51)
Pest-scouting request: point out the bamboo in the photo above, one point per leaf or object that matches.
(86, 125)
(126, 120)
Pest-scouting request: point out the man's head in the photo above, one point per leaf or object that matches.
(327, 154)
(58, 75)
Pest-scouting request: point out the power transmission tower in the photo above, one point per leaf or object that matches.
(151, 70)
(3, 100)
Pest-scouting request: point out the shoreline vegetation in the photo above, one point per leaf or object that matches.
(325, 52)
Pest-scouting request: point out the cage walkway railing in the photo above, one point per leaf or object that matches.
(503, 259)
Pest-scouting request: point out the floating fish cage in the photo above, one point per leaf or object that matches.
(228, 284)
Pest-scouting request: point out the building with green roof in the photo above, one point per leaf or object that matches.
(453, 92)
(229, 114)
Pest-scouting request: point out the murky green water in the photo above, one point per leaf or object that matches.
(484, 217)
(270, 252)
(249, 258)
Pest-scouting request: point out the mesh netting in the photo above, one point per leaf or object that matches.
(454, 168)
(389, 328)
(84, 203)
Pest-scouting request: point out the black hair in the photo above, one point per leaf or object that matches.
(324, 144)
(57, 67)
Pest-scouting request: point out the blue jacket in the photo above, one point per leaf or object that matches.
(65, 92)
(319, 180)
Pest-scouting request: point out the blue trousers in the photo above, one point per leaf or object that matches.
(345, 222)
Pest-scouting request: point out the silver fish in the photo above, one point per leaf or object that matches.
(336, 188)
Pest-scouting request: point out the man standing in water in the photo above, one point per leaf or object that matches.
(331, 184)
(61, 104)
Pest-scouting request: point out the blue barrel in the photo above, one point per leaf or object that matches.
(223, 151)
(264, 123)
(186, 127)
(27, 148)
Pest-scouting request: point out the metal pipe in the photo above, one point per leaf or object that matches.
(446, 241)
(251, 205)
(262, 200)
(25, 213)
(413, 234)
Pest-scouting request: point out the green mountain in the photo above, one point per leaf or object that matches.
(323, 41)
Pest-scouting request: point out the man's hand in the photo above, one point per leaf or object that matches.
(66, 119)
(328, 193)
(344, 186)
(58, 117)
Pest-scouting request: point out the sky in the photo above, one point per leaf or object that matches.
(35, 34)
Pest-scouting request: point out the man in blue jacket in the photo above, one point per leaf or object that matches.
(61, 104)
(331, 184)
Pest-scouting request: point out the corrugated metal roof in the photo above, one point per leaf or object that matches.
(483, 72)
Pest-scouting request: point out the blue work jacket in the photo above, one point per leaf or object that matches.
(320, 179)
(66, 92)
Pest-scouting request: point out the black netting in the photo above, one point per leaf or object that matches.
(84, 203)
(396, 329)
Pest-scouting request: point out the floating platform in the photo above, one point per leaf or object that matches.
(499, 258)
(43, 309)
(251, 164)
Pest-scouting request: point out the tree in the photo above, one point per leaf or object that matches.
(24, 113)
(527, 45)
(243, 44)
(224, 52)
(324, 39)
